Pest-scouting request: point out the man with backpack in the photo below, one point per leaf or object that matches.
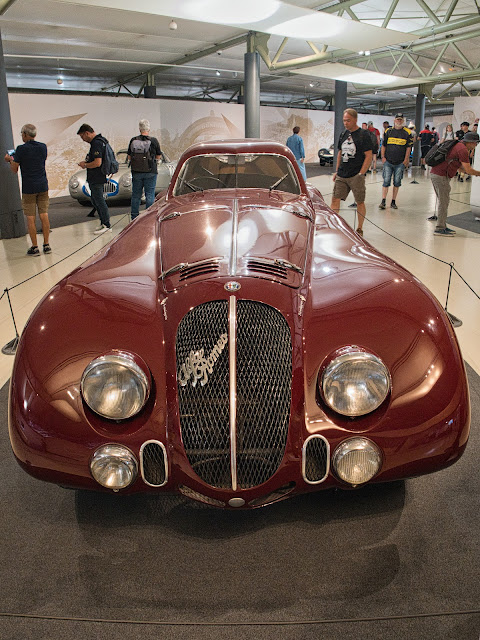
(441, 174)
(397, 142)
(143, 153)
(96, 178)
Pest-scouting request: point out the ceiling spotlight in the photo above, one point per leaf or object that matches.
(311, 84)
(217, 73)
(361, 53)
(367, 53)
(173, 25)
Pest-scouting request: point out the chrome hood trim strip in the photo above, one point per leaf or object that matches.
(232, 352)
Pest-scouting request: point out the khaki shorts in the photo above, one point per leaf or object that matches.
(30, 202)
(356, 185)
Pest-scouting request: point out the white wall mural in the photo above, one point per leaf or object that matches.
(176, 123)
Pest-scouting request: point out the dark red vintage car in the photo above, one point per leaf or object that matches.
(238, 343)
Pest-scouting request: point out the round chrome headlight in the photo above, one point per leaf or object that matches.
(115, 386)
(355, 383)
(357, 460)
(113, 466)
(126, 180)
(73, 182)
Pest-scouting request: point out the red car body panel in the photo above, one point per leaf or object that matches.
(337, 291)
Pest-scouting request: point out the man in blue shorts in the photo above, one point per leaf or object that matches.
(397, 142)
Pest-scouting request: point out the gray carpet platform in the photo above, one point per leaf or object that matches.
(465, 220)
(380, 563)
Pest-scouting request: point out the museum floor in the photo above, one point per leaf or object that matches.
(380, 563)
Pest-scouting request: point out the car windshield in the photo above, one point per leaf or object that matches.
(122, 156)
(241, 171)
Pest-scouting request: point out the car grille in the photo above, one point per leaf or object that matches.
(263, 391)
(315, 459)
(153, 463)
(110, 187)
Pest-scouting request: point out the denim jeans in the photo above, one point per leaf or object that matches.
(301, 166)
(142, 182)
(396, 170)
(100, 203)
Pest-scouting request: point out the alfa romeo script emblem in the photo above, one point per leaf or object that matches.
(196, 367)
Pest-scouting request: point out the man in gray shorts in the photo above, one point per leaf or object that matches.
(353, 160)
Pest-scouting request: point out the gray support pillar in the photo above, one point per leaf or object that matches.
(340, 106)
(150, 90)
(12, 220)
(419, 124)
(252, 94)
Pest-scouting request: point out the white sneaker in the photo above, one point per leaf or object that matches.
(103, 229)
(477, 218)
(102, 226)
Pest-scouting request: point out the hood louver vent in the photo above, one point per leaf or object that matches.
(268, 268)
(199, 269)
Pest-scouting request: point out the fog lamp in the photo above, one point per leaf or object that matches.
(357, 460)
(113, 466)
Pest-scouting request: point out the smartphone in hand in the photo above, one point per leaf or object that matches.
(11, 152)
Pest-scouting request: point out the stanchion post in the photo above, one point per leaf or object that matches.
(11, 347)
(456, 322)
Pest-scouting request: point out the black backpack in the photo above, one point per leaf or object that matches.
(141, 158)
(109, 164)
(438, 153)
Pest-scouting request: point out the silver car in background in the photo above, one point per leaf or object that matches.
(119, 186)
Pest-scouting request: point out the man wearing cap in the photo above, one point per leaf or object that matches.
(397, 142)
(374, 132)
(458, 157)
(353, 159)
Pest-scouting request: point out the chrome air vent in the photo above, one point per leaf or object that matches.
(193, 269)
(199, 269)
(269, 268)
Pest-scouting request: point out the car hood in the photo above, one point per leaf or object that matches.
(232, 234)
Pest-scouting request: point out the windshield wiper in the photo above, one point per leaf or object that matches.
(275, 184)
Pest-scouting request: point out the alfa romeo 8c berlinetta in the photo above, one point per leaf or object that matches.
(238, 343)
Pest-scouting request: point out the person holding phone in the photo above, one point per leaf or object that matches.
(30, 158)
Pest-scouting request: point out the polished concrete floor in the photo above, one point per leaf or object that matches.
(405, 235)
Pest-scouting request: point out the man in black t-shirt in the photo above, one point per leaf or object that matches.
(144, 174)
(397, 142)
(353, 160)
(30, 158)
(95, 176)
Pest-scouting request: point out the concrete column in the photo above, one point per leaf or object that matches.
(252, 94)
(150, 90)
(12, 220)
(340, 106)
(419, 124)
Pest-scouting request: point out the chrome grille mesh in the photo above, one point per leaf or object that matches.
(204, 409)
(264, 371)
(264, 375)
